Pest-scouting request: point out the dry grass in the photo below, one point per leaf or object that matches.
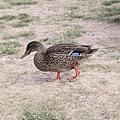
(24, 92)
(26, 34)
(67, 36)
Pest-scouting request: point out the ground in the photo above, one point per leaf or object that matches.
(95, 95)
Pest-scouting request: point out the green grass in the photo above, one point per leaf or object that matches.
(115, 19)
(22, 16)
(73, 13)
(73, 8)
(74, 32)
(20, 20)
(7, 37)
(24, 19)
(110, 2)
(107, 13)
(19, 24)
(8, 48)
(68, 36)
(26, 34)
(27, 20)
(21, 2)
(2, 25)
(49, 109)
(103, 82)
(4, 6)
(111, 11)
(8, 17)
(42, 116)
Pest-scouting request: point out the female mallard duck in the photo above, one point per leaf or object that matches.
(60, 57)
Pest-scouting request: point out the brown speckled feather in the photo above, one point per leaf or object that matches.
(58, 58)
(67, 48)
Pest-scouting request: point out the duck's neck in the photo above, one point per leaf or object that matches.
(40, 57)
(41, 49)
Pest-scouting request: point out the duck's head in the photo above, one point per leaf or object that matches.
(32, 47)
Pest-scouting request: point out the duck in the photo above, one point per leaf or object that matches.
(59, 57)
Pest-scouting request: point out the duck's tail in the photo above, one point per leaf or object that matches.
(91, 51)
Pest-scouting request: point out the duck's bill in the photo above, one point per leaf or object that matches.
(24, 55)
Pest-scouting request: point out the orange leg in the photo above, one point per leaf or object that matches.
(77, 73)
(57, 78)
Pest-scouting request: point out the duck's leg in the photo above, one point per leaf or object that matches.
(57, 78)
(74, 77)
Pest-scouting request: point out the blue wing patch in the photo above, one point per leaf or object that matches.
(74, 53)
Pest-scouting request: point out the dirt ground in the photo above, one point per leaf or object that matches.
(95, 95)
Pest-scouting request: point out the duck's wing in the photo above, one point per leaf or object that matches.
(68, 48)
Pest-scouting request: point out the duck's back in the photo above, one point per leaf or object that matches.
(62, 57)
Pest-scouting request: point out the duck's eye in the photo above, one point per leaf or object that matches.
(29, 51)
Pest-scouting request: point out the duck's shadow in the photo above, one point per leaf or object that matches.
(38, 78)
